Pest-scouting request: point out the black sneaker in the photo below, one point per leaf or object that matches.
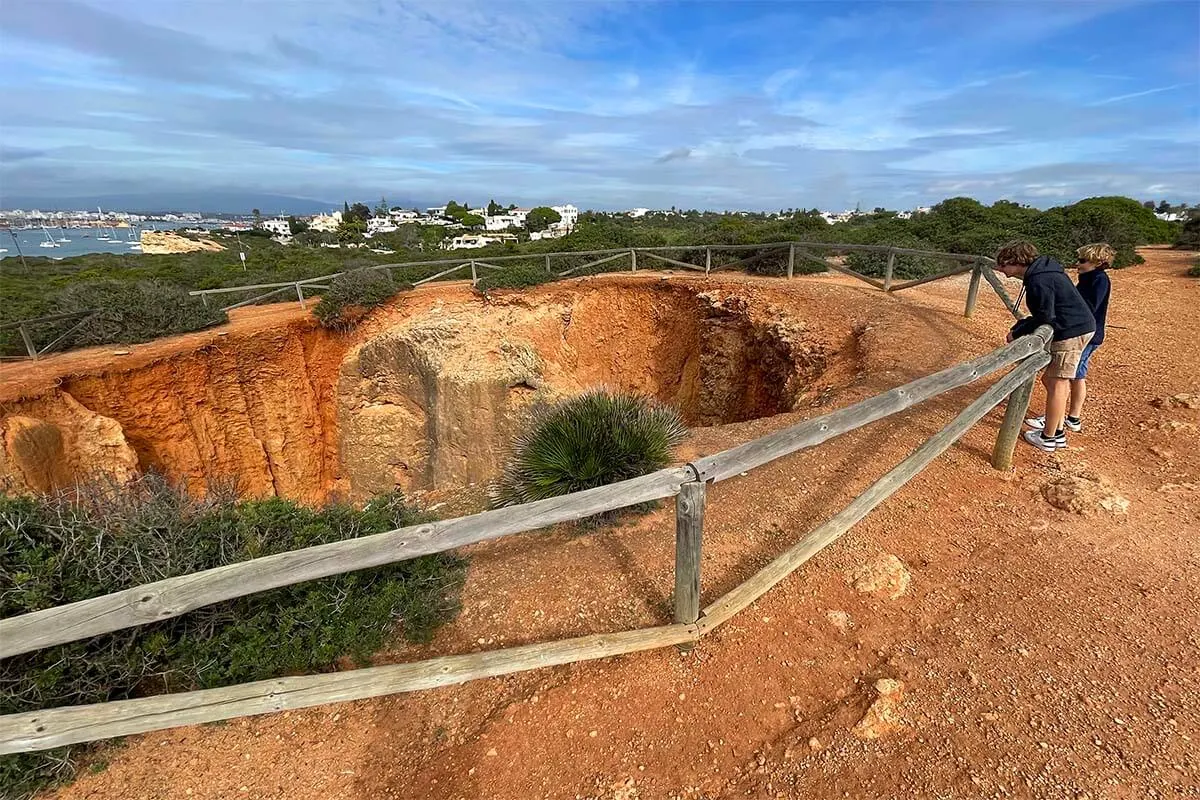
(1046, 445)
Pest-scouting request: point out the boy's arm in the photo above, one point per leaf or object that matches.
(1040, 300)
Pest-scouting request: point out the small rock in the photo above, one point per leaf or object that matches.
(1083, 494)
(1162, 452)
(492, 752)
(882, 716)
(814, 743)
(840, 620)
(1181, 400)
(121, 352)
(886, 576)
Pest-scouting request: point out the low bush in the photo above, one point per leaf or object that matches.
(1189, 235)
(1194, 270)
(514, 276)
(596, 438)
(63, 548)
(128, 312)
(351, 295)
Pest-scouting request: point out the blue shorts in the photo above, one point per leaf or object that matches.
(1081, 373)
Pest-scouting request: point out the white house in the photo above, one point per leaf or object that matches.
(638, 212)
(403, 216)
(502, 222)
(473, 241)
(569, 214)
(1171, 216)
(278, 226)
(380, 225)
(326, 223)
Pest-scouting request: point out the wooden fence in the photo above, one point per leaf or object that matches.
(47, 728)
(978, 266)
(24, 326)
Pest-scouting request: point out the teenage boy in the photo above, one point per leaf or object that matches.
(1052, 300)
(1094, 287)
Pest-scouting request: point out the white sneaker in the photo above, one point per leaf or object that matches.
(1036, 439)
(1039, 424)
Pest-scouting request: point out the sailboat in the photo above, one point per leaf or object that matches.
(62, 235)
(49, 239)
(103, 235)
(135, 243)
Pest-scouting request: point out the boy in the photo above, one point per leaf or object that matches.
(1094, 287)
(1052, 300)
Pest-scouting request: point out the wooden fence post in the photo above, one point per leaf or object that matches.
(689, 531)
(891, 268)
(1015, 409)
(33, 353)
(791, 260)
(300, 295)
(707, 260)
(633, 259)
(548, 264)
(474, 275)
(973, 290)
(204, 299)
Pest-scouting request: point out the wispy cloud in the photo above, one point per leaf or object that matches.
(1145, 93)
(605, 103)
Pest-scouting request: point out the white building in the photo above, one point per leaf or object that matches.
(502, 222)
(569, 214)
(277, 226)
(473, 241)
(326, 223)
(403, 216)
(1171, 216)
(553, 232)
(638, 212)
(380, 225)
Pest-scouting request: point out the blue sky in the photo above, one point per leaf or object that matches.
(604, 104)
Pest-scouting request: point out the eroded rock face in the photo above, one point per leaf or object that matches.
(70, 444)
(436, 399)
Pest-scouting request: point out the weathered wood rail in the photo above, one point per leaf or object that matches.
(24, 326)
(168, 598)
(978, 266)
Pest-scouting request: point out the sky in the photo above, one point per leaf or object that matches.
(608, 105)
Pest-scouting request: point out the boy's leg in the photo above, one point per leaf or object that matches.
(1078, 395)
(1058, 391)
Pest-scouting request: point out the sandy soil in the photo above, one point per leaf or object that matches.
(1036, 652)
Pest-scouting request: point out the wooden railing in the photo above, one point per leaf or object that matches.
(978, 266)
(24, 326)
(47, 728)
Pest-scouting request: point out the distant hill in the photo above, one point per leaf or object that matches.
(157, 203)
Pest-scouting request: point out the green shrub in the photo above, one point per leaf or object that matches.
(1194, 270)
(351, 295)
(591, 440)
(59, 549)
(514, 276)
(1189, 236)
(128, 313)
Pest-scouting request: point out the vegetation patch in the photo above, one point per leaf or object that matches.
(352, 295)
(596, 438)
(67, 547)
(514, 276)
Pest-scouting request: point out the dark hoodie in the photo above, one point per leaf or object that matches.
(1094, 287)
(1053, 300)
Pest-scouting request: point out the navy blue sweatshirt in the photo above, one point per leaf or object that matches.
(1094, 287)
(1053, 300)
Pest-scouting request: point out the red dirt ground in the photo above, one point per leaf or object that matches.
(1043, 653)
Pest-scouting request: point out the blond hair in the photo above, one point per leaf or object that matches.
(1097, 253)
(1016, 254)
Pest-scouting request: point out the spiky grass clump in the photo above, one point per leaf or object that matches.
(597, 438)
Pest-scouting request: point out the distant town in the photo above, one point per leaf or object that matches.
(465, 227)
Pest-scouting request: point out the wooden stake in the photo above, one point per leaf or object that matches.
(33, 353)
(633, 259)
(791, 260)
(973, 290)
(548, 264)
(689, 532)
(891, 267)
(300, 294)
(1014, 413)
(707, 260)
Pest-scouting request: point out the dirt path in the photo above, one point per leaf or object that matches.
(1043, 653)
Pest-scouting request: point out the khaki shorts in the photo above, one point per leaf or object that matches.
(1065, 355)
